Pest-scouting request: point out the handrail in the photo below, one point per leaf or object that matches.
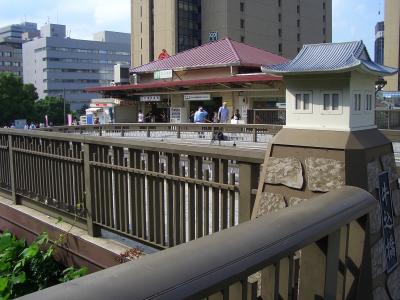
(211, 264)
(165, 125)
(242, 154)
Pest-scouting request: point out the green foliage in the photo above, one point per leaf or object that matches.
(26, 269)
(16, 99)
(53, 107)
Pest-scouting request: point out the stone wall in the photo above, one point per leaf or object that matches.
(294, 174)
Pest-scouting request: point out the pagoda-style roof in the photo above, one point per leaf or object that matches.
(220, 53)
(332, 57)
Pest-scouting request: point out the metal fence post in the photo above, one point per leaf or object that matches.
(12, 171)
(248, 180)
(178, 131)
(255, 134)
(332, 265)
(92, 229)
(148, 131)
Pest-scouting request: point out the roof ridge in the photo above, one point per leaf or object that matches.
(233, 49)
(336, 43)
(255, 47)
(179, 53)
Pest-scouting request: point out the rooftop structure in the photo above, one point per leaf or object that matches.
(331, 87)
(221, 53)
(11, 39)
(379, 42)
(14, 33)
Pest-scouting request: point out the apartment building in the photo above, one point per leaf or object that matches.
(278, 26)
(63, 67)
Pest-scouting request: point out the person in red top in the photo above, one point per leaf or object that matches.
(163, 55)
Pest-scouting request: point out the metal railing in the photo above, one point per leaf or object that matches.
(225, 265)
(234, 132)
(387, 119)
(154, 192)
(269, 116)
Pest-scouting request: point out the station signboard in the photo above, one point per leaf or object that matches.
(150, 98)
(163, 74)
(197, 97)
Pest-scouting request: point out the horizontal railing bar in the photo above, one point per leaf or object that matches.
(132, 236)
(224, 186)
(44, 154)
(231, 153)
(3, 147)
(160, 125)
(210, 264)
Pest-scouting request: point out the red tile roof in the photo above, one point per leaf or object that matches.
(257, 78)
(224, 52)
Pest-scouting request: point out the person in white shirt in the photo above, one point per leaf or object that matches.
(140, 117)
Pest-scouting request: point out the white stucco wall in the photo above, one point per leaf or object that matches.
(343, 119)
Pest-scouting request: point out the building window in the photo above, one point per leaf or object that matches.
(298, 23)
(280, 32)
(324, 30)
(242, 39)
(303, 102)
(7, 54)
(241, 6)
(7, 63)
(357, 102)
(368, 102)
(189, 24)
(298, 49)
(141, 43)
(331, 102)
(280, 48)
(324, 5)
(324, 18)
(280, 18)
(298, 9)
(279, 3)
(141, 27)
(241, 23)
(298, 37)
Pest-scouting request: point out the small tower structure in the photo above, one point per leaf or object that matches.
(330, 140)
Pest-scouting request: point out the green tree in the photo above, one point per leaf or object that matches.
(53, 107)
(16, 99)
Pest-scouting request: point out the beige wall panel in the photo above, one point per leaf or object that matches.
(392, 42)
(214, 18)
(165, 28)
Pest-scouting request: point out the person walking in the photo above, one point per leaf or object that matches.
(223, 113)
(200, 115)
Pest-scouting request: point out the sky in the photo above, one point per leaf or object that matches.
(352, 19)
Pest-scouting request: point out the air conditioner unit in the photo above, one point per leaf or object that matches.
(121, 74)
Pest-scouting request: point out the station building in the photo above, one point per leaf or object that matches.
(208, 75)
